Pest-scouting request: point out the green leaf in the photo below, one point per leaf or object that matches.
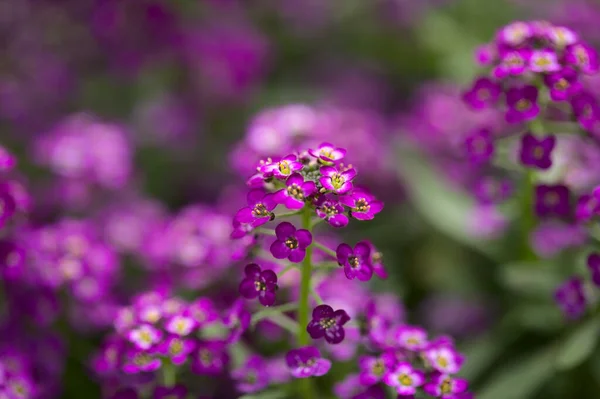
(579, 345)
(482, 353)
(521, 380)
(530, 278)
(541, 317)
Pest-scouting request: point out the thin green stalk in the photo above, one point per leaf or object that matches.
(268, 313)
(323, 248)
(267, 232)
(169, 374)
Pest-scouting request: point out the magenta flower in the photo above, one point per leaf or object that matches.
(373, 368)
(377, 262)
(175, 392)
(445, 387)
(586, 110)
(588, 206)
(593, 265)
(512, 63)
(12, 260)
(544, 61)
(480, 146)
(210, 358)
(296, 192)
(404, 379)
(328, 323)
(583, 57)
(180, 325)
(444, 358)
(491, 190)
(7, 160)
(252, 376)
(259, 209)
(307, 362)
(8, 205)
(563, 85)
(356, 262)
(259, 283)
(515, 33)
(338, 182)
(283, 168)
(290, 243)
(177, 349)
(237, 320)
(570, 297)
(411, 338)
(522, 104)
(562, 36)
(484, 93)
(144, 337)
(536, 152)
(332, 210)
(327, 153)
(203, 311)
(363, 205)
(552, 201)
(137, 361)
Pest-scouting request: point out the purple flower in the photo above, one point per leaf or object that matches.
(484, 93)
(515, 33)
(512, 63)
(290, 243)
(373, 392)
(259, 283)
(237, 320)
(444, 358)
(144, 337)
(404, 379)
(259, 209)
(586, 110)
(12, 260)
(583, 57)
(338, 182)
(296, 192)
(327, 153)
(446, 387)
(283, 168)
(177, 349)
(210, 358)
(332, 210)
(377, 262)
(588, 206)
(7, 204)
(328, 323)
(7, 160)
(536, 152)
(363, 205)
(307, 362)
(137, 361)
(411, 338)
(563, 85)
(373, 368)
(522, 104)
(480, 146)
(562, 36)
(175, 392)
(544, 61)
(356, 262)
(203, 311)
(570, 297)
(491, 190)
(180, 325)
(552, 200)
(593, 264)
(252, 377)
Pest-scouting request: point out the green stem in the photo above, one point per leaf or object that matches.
(169, 374)
(285, 270)
(286, 214)
(323, 248)
(267, 232)
(528, 219)
(304, 304)
(268, 313)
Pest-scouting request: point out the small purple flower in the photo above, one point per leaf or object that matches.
(544, 61)
(570, 297)
(444, 358)
(512, 63)
(177, 349)
(7, 160)
(296, 192)
(484, 93)
(411, 338)
(552, 201)
(203, 311)
(175, 392)
(259, 283)
(480, 146)
(332, 210)
(404, 379)
(491, 190)
(536, 153)
(522, 104)
(563, 85)
(445, 387)
(252, 377)
(12, 260)
(283, 168)
(562, 36)
(356, 262)
(588, 206)
(210, 358)
(583, 57)
(377, 262)
(336, 181)
(373, 368)
(290, 243)
(259, 209)
(327, 153)
(8, 205)
(328, 323)
(593, 265)
(180, 325)
(307, 362)
(372, 392)
(137, 361)
(363, 205)
(237, 320)
(586, 110)
(515, 33)
(144, 337)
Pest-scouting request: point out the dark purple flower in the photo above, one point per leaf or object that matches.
(125, 393)
(296, 192)
(328, 153)
(177, 349)
(479, 146)
(332, 210)
(512, 63)
(203, 311)
(8, 205)
(12, 260)
(7, 160)
(563, 85)
(237, 320)
(372, 392)
(552, 200)
(484, 93)
(283, 168)
(290, 243)
(522, 104)
(544, 61)
(374, 368)
(588, 206)
(307, 362)
(356, 262)
(586, 110)
(253, 376)
(491, 190)
(259, 283)
(259, 209)
(377, 262)
(583, 57)
(210, 358)
(336, 181)
(328, 323)
(570, 297)
(175, 392)
(593, 264)
(404, 379)
(536, 153)
(445, 386)
(363, 205)
(137, 361)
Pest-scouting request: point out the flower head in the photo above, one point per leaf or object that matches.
(328, 154)
(512, 63)
(536, 152)
(252, 376)
(445, 386)
(328, 323)
(583, 57)
(374, 368)
(144, 337)
(307, 362)
(177, 349)
(282, 168)
(210, 358)
(290, 242)
(480, 146)
(296, 192)
(552, 200)
(563, 84)
(259, 209)
(411, 338)
(356, 262)
(522, 103)
(444, 358)
(137, 361)
(544, 61)
(259, 283)
(339, 182)
(484, 93)
(570, 297)
(404, 379)
(180, 325)
(331, 209)
(362, 204)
